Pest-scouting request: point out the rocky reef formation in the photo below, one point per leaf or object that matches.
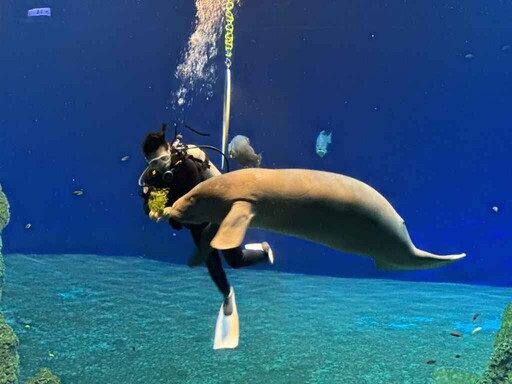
(5, 213)
(499, 368)
(44, 376)
(9, 359)
(5, 216)
(454, 376)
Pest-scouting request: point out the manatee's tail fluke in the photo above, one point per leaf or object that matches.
(426, 260)
(432, 256)
(420, 260)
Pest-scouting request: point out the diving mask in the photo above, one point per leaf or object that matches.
(160, 163)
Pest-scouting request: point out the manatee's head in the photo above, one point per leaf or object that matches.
(206, 202)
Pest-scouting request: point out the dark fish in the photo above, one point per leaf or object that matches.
(457, 356)
(431, 361)
(240, 150)
(476, 316)
(456, 334)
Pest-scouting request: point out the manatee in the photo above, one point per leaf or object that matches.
(337, 211)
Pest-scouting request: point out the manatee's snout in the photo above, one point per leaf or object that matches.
(176, 213)
(185, 210)
(179, 211)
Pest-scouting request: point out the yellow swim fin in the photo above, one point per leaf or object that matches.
(227, 330)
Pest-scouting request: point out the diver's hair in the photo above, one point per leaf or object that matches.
(154, 140)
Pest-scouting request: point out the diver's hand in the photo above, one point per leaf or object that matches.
(155, 216)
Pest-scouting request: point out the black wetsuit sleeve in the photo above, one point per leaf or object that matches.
(145, 200)
(175, 225)
(146, 206)
(186, 177)
(154, 181)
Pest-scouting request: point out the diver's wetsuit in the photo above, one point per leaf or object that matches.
(186, 176)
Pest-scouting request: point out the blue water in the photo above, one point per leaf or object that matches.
(410, 114)
(129, 320)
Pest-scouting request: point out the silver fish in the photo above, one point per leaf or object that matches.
(322, 141)
(240, 150)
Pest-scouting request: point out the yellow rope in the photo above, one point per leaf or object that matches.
(228, 45)
(228, 36)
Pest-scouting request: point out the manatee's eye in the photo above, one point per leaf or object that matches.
(192, 200)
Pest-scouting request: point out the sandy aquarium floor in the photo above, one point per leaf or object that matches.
(122, 320)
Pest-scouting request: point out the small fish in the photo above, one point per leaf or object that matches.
(28, 225)
(431, 361)
(457, 356)
(469, 56)
(322, 141)
(495, 209)
(456, 334)
(476, 316)
(240, 150)
(476, 330)
(125, 158)
(78, 192)
(506, 47)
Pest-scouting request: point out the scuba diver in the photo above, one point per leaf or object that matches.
(180, 167)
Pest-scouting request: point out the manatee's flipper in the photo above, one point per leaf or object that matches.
(234, 226)
(227, 329)
(201, 254)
